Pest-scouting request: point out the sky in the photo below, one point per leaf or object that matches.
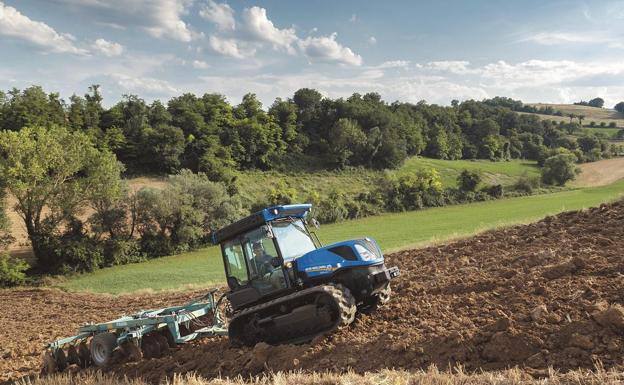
(535, 51)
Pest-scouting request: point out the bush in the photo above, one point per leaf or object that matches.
(612, 124)
(494, 191)
(526, 184)
(468, 180)
(12, 271)
(122, 251)
(592, 124)
(603, 124)
(182, 215)
(412, 192)
(559, 169)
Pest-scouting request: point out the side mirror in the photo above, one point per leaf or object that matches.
(277, 261)
(315, 223)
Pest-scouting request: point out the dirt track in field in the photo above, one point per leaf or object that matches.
(534, 296)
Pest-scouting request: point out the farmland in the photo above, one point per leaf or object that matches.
(392, 231)
(539, 296)
(590, 114)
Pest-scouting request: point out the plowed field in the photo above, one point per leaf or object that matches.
(548, 294)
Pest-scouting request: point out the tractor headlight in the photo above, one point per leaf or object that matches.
(365, 254)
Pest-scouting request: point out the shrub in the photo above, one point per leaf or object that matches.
(184, 213)
(12, 271)
(603, 124)
(559, 169)
(592, 124)
(122, 251)
(494, 191)
(612, 124)
(282, 194)
(526, 184)
(468, 180)
(411, 192)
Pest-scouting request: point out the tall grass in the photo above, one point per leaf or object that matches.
(432, 376)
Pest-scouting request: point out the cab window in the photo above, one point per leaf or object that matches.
(235, 261)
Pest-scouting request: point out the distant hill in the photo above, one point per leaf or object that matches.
(592, 114)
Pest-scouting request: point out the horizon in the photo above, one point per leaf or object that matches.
(406, 52)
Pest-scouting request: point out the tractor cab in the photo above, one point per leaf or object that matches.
(259, 250)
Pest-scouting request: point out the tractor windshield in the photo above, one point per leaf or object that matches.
(293, 238)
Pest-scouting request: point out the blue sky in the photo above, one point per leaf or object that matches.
(536, 51)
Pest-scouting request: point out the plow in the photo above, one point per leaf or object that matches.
(284, 287)
(146, 334)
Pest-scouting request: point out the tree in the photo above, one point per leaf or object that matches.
(468, 180)
(596, 102)
(348, 142)
(184, 213)
(580, 118)
(559, 169)
(571, 116)
(619, 107)
(52, 173)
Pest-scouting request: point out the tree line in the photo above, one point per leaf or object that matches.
(208, 134)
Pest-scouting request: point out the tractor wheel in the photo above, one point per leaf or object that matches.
(102, 347)
(72, 356)
(48, 364)
(84, 354)
(61, 359)
(346, 303)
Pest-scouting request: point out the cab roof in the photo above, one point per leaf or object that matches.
(260, 218)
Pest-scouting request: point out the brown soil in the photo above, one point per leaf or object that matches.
(534, 296)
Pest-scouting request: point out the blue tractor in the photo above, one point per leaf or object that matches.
(285, 287)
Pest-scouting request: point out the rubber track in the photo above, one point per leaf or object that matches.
(341, 294)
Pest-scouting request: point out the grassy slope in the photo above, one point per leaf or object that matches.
(255, 185)
(392, 231)
(597, 115)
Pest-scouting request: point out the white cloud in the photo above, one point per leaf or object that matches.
(244, 38)
(353, 18)
(160, 18)
(372, 40)
(454, 66)
(219, 13)
(586, 37)
(15, 24)
(200, 64)
(326, 48)
(144, 84)
(260, 28)
(107, 48)
(394, 64)
(229, 47)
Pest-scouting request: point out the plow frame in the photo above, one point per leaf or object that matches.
(132, 328)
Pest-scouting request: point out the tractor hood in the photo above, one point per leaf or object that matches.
(352, 253)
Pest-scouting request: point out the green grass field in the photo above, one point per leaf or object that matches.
(255, 185)
(393, 231)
